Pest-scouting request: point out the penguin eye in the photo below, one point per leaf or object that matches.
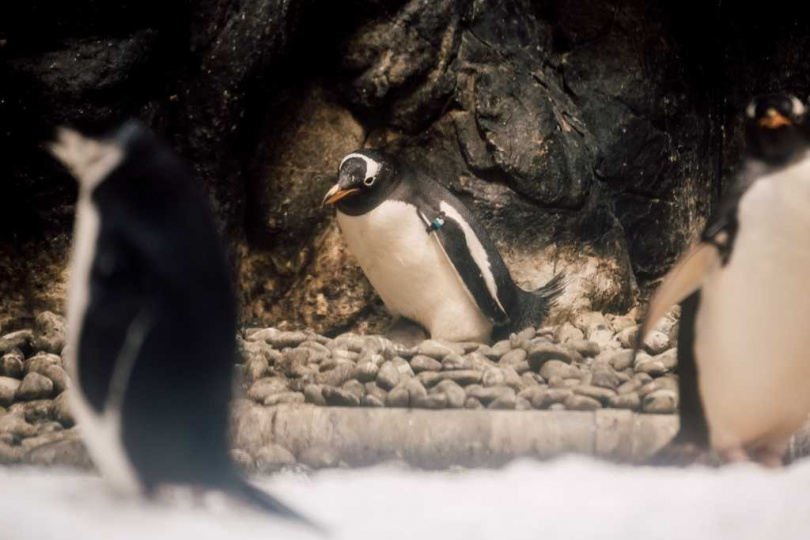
(370, 181)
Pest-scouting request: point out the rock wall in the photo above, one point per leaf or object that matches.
(591, 136)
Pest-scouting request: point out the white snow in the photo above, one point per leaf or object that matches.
(568, 498)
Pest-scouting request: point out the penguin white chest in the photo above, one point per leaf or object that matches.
(411, 272)
(752, 324)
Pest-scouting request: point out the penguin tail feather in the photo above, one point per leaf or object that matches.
(241, 489)
(553, 289)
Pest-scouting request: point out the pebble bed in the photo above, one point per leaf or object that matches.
(583, 365)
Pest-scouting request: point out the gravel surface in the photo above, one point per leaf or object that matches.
(582, 365)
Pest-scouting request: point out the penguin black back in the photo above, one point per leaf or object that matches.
(151, 317)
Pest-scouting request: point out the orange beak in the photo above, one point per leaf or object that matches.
(336, 193)
(774, 119)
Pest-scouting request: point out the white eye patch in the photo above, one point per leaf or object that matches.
(372, 167)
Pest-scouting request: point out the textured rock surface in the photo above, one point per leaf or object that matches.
(588, 136)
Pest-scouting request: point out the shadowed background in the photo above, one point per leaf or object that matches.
(591, 136)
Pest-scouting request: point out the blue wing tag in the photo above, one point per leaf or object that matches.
(436, 224)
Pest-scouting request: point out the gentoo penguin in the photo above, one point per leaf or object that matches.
(151, 319)
(743, 289)
(426, 255)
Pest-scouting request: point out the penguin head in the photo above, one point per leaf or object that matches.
(365, 178)
(776, 127)
(151, 218)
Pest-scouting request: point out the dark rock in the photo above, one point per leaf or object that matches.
(582, 403)
(337, 376)
(493, 377)
(36, 411)
(455, 394)
(629, 401)
(34, 386)
(462, 377)
(472, 404)
(604, 376)
(505, 401)
(284, 398)
(430, 401)
(541, 353)
(371, 401)
(282, 340)
(603, 395)
(557, 395)
(294, 361)
(59, 377)
(8, 389)
(371, 388)
(398, 397)
(403, 367)
(557, 368)
(588, 349)
(242, 459)
(438, 350)
(429, 378)
(535, 395)
(656, 342)
(313, 393)
(69, 452)
(660, 402)
(568, 332)
(651, 367)
(255, 369)
(630, 386)
(355, 387)
(273, 457)
(488, 395)
(49, 332)
(338, 397)
(22, 340)
(388, 376)
(40, 362)
(454, 362)
(15, 424)
(318, 457)
(421, 363)
(60, 410)
(11, 365)
(365, 371)
(513, 357)
(266, 387)
(668, 359)
(620, 360)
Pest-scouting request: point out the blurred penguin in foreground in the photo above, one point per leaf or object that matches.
(744, 374)
(151, 319)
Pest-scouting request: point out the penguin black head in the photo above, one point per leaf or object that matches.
(365, 178)
(776, 127)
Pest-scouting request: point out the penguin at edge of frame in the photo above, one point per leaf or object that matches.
(151, 320)
(427, 256)
(740, 289)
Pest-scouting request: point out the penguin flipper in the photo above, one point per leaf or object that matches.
(469, 261)
(684, 279)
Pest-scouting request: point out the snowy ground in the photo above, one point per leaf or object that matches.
(568, 498)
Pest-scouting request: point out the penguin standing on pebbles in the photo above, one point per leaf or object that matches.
(426, 255)
(151, 319)
(743, 342)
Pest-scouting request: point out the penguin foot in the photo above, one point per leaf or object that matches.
(406, 332)
(733, 455)
(677, 454)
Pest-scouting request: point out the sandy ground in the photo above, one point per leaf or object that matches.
(567, 498)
